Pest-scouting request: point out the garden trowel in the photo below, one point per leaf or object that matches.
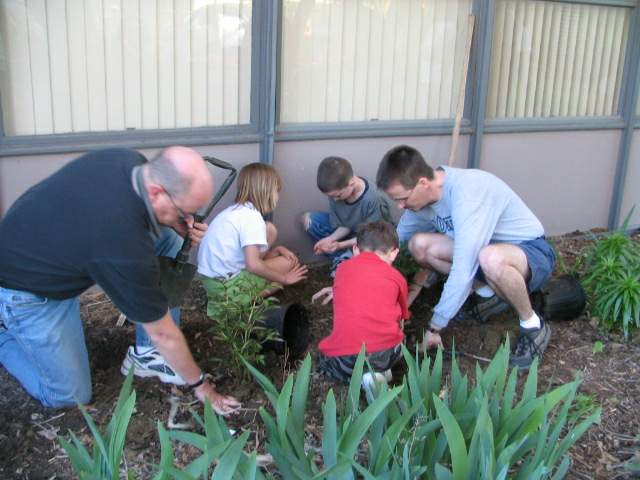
(177, 273)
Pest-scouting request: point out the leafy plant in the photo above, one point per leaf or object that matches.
(222, 456)
(405, 263)
(237, 310)
(108, 448)
(598, 347)
(422, 429)
(611, 280)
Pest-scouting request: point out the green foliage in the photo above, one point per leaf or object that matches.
(222, 456)
(598, 347)
(422, 428)
(104, 462)
(405, 263)
(582, 408)
(612, 281)
(419, 429)
(237, 309)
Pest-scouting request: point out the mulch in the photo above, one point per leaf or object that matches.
(611, 378)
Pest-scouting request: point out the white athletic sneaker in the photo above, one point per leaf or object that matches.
(150, 364)
(371, 381)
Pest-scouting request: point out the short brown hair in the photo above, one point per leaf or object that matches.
(334, 173)
(256, 184)
(404, 165)
(377, 236)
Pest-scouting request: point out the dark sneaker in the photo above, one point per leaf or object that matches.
(481, 308)
(150, 364)
(531, 344)
(338, 260)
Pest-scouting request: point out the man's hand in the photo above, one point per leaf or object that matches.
(196, 233)
(431, 340)
(222, 404)
(294, 276)
(326, 291)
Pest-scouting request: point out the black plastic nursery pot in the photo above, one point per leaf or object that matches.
(291, 321)
(561, 298)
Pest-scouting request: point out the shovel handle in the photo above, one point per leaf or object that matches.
(183, 254)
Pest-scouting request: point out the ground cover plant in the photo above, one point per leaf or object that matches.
(466, 430)
(612, 280)
(610, 370)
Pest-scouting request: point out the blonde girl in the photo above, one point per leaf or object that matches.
(240, 243)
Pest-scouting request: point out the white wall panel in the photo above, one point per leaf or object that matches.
(553, 59)
(356, 60)
(110, 65)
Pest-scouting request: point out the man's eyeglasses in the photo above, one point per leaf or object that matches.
(182, 215)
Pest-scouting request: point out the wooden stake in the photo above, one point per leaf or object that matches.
(463, 87)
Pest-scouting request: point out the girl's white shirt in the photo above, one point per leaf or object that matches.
(221, 253)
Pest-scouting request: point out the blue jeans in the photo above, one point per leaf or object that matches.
(42, 341)
(319, 228)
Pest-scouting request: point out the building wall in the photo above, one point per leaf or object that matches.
(566, 178)
(631, 184)
(17, 174)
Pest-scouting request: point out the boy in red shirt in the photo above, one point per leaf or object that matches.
(369, 304)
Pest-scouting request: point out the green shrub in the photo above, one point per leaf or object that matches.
(237, 310)
(104, 462)
(419, 427)
(612, 270)
(405, 263)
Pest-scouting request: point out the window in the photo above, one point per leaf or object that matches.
(552, 59)
(360, 60)
(113, 65)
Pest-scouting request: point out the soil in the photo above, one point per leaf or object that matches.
(29, 448)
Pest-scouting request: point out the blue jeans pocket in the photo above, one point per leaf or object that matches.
(27, 300)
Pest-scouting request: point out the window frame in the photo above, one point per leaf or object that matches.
(265, 128)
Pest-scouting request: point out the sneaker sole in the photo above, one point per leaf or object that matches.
(142, 372)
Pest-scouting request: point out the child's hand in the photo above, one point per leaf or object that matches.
(323, 246)
(289, 255)
(294, 276)
(326, 291)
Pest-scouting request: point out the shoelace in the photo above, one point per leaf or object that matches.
(524, 343)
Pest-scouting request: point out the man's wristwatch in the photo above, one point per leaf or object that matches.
(192, 386)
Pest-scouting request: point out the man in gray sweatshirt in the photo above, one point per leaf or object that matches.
(469, 225)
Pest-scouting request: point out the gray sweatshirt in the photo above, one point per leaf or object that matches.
(476, 208)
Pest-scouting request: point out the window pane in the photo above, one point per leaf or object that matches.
(110, 65)
(355, 60)
(552, 59)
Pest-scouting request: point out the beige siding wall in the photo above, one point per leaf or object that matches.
(631, 184)
(566, 178)
(17, 174)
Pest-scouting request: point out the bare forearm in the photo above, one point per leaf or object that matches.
(349, 243)
(172, 345)
(339, 233)
(262, 270)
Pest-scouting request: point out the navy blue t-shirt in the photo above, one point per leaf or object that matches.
(83, 225)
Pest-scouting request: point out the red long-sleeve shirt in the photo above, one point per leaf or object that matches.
(369, 302)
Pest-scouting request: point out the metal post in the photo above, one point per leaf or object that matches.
(484, 10)
(268, 13)
(629, 98)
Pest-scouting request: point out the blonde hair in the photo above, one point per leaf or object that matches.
(257, 183)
